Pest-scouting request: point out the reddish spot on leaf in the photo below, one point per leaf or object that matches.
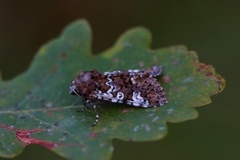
(141, 64)
(116, 60)
(24, 136)
(166, 79)
(92, 135)
(127, 110)
(54, 69)
(209, 72)
(64, 55)
(49, 114)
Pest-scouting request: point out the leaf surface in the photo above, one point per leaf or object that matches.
(36, 107)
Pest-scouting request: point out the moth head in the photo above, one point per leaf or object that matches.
(73, 88)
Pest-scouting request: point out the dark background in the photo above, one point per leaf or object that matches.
(212, 28)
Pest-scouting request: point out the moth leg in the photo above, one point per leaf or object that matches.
(96, 115)
(84, 106)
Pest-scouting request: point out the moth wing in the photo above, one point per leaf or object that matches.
(110, 97)
(150, 90)
(151, 72)
(133, 87)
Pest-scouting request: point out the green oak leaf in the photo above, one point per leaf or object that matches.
(36, 108)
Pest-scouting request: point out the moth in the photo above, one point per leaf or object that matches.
(138, 88)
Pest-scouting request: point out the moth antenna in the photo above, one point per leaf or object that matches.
(75, 93)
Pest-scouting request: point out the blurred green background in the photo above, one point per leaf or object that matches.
(212, 28)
